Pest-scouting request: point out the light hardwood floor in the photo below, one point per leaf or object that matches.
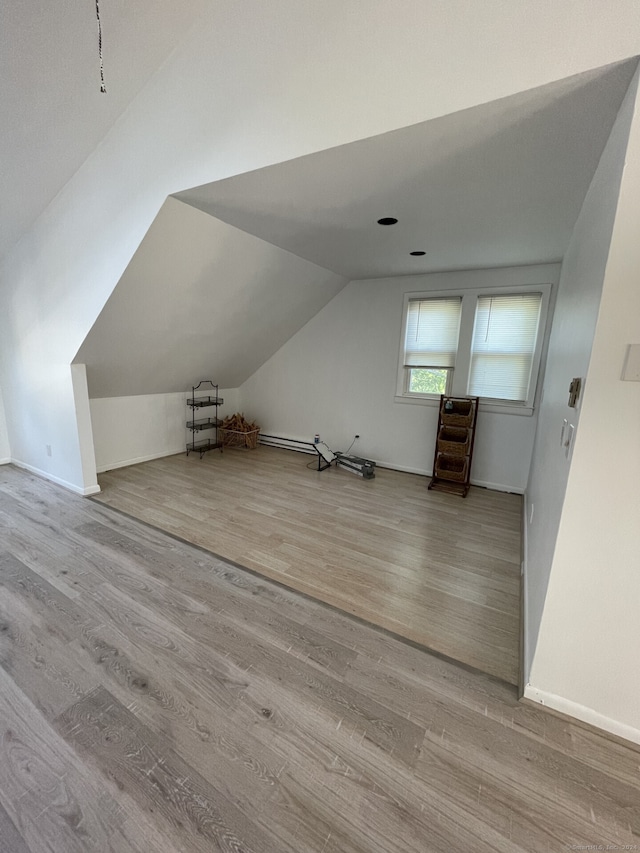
(154, 698)
(432, 567)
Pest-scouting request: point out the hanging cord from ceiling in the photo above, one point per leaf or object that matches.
(103, 88)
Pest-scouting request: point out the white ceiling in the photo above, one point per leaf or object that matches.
(495, 185)
(53, 114)
(229, 271)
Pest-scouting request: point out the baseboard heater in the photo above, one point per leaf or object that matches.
(296, 445)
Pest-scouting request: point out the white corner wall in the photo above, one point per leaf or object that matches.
(85, 433)
(50, 437)
(5, 448)
(574, 324)
(129, 430)
(586, 658)
(254, 84)
(337, 376)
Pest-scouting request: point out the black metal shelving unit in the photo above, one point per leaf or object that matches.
(210, 424)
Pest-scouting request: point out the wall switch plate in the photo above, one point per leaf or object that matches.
(631, 369)
(568, 439)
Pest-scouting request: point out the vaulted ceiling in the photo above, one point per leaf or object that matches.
(53, 114)
(230, 270)
(498, 184)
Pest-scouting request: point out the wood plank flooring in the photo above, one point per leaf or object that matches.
(434, 568)
(155, 698)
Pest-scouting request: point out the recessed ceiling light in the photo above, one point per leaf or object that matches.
(417, 253)
(387, 220)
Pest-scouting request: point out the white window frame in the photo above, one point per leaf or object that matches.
(459, 378)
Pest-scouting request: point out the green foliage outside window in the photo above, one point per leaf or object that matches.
(424, 380)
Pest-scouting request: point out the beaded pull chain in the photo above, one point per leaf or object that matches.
(103, 88)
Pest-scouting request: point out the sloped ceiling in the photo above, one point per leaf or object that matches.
(229, 271)
(495, 185)
(53, 114)
(200, 299)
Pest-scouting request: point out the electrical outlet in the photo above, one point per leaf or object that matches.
(48, 448)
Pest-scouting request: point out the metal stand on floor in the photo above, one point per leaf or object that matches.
(298, 446)
(357, 464)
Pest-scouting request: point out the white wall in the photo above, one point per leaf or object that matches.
(85, 432)
(574, 324)
(128, 430)
(48, 438)
(5, 449)
(257, 83)
(199, 296)
(338, 376)
(586, 659)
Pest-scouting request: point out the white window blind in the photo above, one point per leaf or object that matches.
(504, 344)
(432, 332)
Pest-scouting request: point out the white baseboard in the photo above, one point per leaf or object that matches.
(111, 466)
(406, 469)
(496, 487)
(5, 461)
(581, 712)
(424, 472)
(91, 490)
(78, 490)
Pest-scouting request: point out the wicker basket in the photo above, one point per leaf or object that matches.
(453, 441)
(233, 438)
(459, 414)
(451, 468)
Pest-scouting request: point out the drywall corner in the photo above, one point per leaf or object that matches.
(589, 635)
(569, 353)
(85, 432)
(5, 447)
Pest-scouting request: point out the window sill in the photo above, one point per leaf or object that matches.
(420, 401)
(485, 406)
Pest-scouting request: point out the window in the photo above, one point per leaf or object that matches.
(483, 343)
(431, 342)
(504, 344)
